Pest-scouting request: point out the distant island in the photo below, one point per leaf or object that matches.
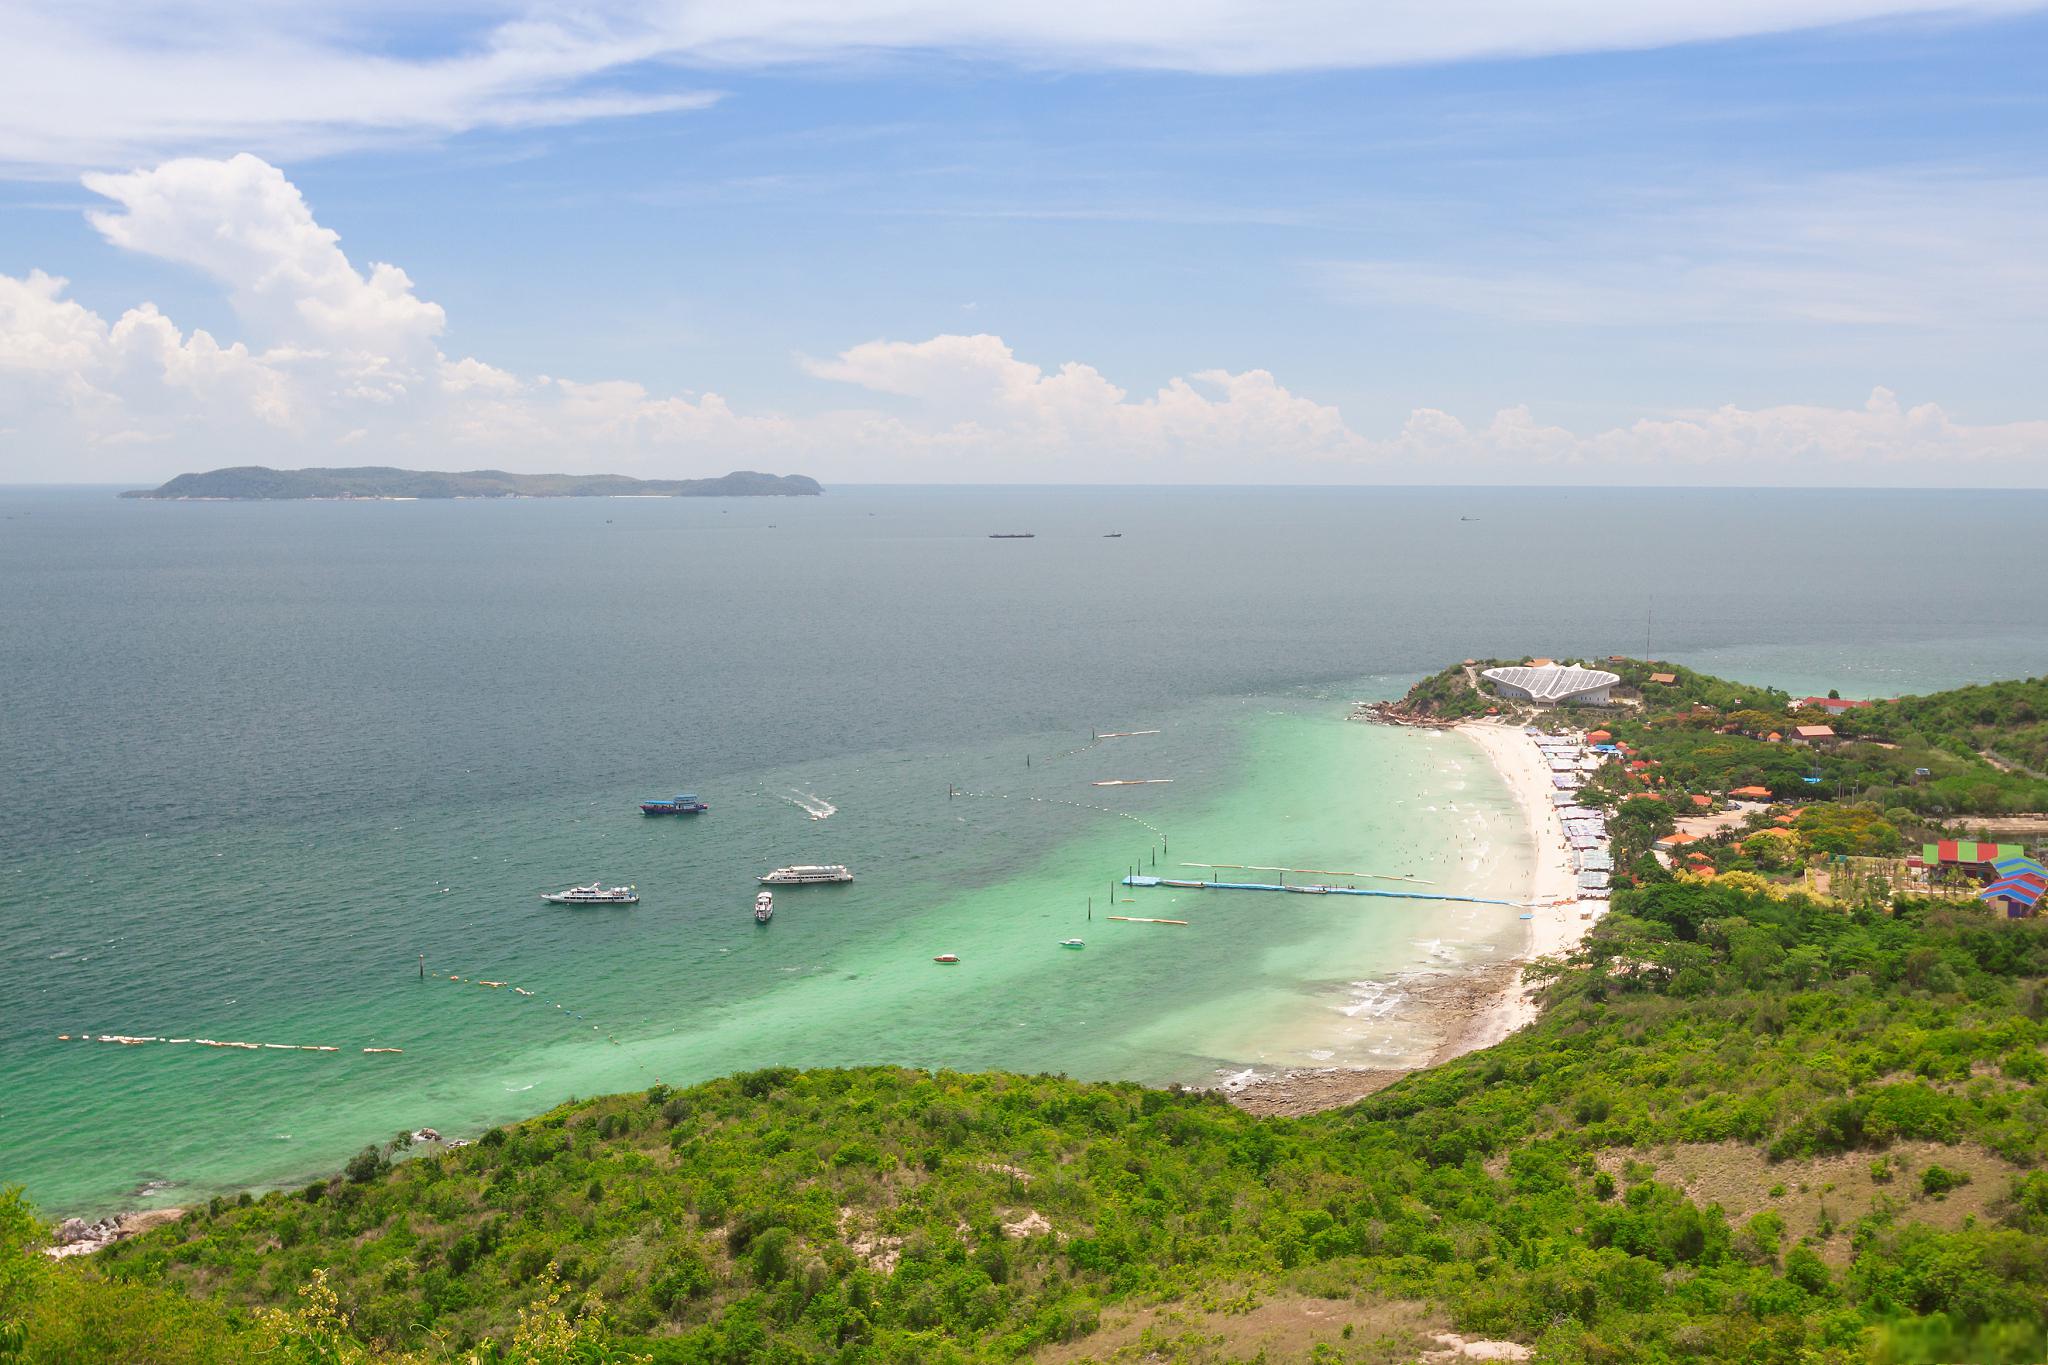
(256, 483)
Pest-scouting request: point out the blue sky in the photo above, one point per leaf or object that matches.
(1687, 261)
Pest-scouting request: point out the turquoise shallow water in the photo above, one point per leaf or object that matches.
(260, 758)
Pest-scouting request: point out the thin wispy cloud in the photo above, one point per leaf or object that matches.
(85, 85)
(1922, 249)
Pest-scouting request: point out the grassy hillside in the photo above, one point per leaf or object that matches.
(1746, 1128)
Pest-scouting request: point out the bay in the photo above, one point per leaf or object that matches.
(260, 758)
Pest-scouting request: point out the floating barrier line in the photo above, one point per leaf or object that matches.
(131, 1040)
(1139, 919)
(1313, 890)
(1133, 782)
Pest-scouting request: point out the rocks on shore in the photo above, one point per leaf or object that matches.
(1295, 1093)
(1391, 713)
(76, 1237)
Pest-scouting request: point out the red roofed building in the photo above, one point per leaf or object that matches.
(1703, 801)
(1834, 706)
(1752, 793)
(1814, 734)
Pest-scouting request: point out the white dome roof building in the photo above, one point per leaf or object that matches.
(1553, 684)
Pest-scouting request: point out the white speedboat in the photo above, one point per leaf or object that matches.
(764, 907)
(595, 894)
(807, 873)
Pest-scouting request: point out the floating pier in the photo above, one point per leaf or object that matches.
(1139, 919)
(1184, 885)
(1133, 782)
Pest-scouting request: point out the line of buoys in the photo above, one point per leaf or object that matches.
(522, 991)
(131, 1040)
(1095, 739)
(1317, 871)
(1063, 801)
(1314, 890)
(1139, 919)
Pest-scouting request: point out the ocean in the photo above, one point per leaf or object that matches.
(261, 763)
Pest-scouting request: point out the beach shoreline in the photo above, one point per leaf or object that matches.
(1474, 1008)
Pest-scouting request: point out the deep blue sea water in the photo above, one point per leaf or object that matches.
(256, 759)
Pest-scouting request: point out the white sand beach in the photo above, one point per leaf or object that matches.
(1560, 918)
(1478, 1006)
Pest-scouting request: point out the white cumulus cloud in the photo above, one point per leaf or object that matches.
(343, 365)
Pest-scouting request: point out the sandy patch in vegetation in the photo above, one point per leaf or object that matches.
(1833, 1189)
(1274, 1327)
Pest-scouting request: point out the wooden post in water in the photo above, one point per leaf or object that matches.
(1091, 909)
(423, 966)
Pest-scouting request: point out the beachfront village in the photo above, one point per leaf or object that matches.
(1660, 772)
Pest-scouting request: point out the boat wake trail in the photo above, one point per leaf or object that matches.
(810, 803)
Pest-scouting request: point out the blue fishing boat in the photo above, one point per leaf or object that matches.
(684, 803)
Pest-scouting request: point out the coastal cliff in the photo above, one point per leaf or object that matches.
(257, 483)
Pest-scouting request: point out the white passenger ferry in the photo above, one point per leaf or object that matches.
(807, 873)
(594, 894)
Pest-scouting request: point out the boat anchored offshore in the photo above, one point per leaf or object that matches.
(1072, 943)
(949, 959)
(805, 874)
(1013, 535)
(764, 907)
(595, 894)
(683, 803)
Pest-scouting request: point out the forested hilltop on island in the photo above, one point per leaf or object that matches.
(255, 482)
